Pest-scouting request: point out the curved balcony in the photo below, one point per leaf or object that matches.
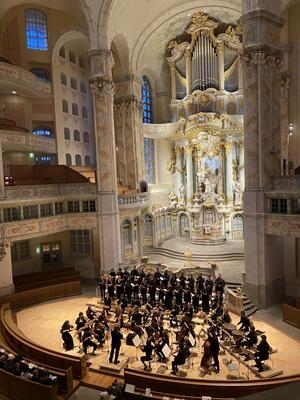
(41, 191)
(17, 230)
(126, 201)
(282, 224)
(14, 140)
(22, 81)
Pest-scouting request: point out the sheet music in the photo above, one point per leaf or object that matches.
(136, 340)
(129, 388)
(166, 350)
(192, 340)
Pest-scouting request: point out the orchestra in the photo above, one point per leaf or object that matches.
(161, 309)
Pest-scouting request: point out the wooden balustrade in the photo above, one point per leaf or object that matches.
(23, 346)
(291, 314)
(16, 388)
(23, 299)
(192, 389)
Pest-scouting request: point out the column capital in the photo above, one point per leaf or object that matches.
(101, 86)
(188, 148)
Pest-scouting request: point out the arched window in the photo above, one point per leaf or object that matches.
(81, 61)
(65, 106)
(149, 160)
(86, 137)
(83, 87)
(147, 101)
(36, 30)
(41, 73)
(78, 159)
(76, 135)
(62, 52)
(63, 78)
(75, 109)
(87, 160)
(67, 134)
(126, 233)
(72, 57)
(68, 159)
(84, 112)
(43, 131)
(73, 83)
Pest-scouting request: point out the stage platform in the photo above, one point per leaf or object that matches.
(42, 322)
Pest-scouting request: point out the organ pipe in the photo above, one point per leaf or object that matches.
(204, 64)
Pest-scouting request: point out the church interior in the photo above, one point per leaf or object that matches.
(158, 139)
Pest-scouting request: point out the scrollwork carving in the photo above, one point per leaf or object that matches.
(101, 86)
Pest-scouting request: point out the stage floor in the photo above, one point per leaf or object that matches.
(42, 322)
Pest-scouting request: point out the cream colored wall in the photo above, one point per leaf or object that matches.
(62, 65)
(294, 91)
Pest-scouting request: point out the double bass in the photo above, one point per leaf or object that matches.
(207, 354)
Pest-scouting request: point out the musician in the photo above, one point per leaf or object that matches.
(102, 287)
(159, 345)
(205, 301)
(218, 313)
(80, 322)
(179, 359)
(98, 331)
(116, 337)
(207, 353)
(107, 303)
(143, 290)
(90, 313)
(66, 336)
(250, 338)
(262, 353)
(219, 284)
(196, 301)
(173, 315)
(87, 340)
(226, 318)
(169, 298)
(147, 349)
(215, 348)
(244, 322)
(136, 317)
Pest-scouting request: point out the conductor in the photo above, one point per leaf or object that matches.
(116, 337)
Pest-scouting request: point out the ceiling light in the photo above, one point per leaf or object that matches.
(13, 92)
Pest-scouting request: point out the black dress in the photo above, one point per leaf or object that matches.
(66, 337)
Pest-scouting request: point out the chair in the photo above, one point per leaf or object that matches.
(232, 367)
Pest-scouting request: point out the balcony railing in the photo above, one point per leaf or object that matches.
(40, 191)
(25, 79)
(13, 140)
(133, 200)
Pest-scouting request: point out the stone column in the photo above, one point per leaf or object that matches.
(261, 58)
(220, 52)
(102, 89)
(173, 80)
(129, 132)
(241, 164)
(189, 174)
(228, 181)
(6, 275)
(1, 174)
(179, 172)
